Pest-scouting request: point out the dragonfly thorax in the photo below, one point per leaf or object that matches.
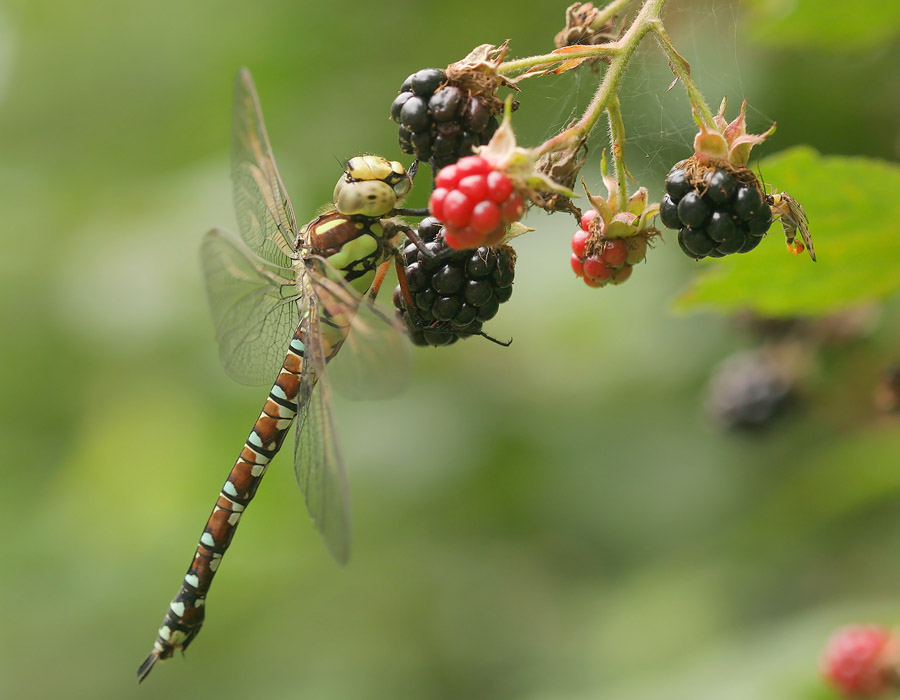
(353, 246)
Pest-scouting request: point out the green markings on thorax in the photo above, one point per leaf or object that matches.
(354, 247)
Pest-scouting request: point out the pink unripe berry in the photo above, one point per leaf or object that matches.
(457, 209)
(447, 177)
(614, 252)
(587, 217)
(620, 275)
(473, 186)
(577, 265)
(579, 242)
(485, 217)
(513, 208)
(595, 269)
(859, 660)
(436, 202)
(473, 165)
(499, 186)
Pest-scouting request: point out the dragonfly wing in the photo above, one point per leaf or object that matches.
(264, 212)
(374, 360)
(254, 307)
(318, 463)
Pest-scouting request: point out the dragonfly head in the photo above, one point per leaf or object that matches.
(371, 186)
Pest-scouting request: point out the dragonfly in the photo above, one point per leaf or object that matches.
(284, 300)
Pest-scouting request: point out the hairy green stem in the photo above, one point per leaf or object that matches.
(682, 70)
(617, 141)
(548, 59)
(612, 81)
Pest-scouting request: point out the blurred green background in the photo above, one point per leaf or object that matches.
(559, 519)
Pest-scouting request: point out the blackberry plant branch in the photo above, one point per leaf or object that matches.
(682, 70)
(549, 59)
(617, 142)
(619, 53)
(608, 90)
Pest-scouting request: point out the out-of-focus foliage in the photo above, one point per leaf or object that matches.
(556, 519)
(854, 211)
(832, 25)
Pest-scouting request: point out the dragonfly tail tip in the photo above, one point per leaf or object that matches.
(147, 666)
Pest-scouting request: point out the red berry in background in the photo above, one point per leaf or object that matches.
(614, 253)
(579, 241)
(861, 660)
(577, 265)
(599, 260)
(473, 186)
(475, 202)
(595, 270)
(587, 218)
(486, 217)
(499, 187)
(457, 209)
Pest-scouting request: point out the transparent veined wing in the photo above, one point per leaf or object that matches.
(254, 306)
(374, 359)
(264, 212)
(318, 463)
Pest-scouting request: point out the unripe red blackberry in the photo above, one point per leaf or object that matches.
(454, 292)
(440, 122)
(861, 661)
(475, 201)
(607, 246)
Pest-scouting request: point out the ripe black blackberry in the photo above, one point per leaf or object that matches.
(717, 210)
(440, 121)
(750, 390)
(454, 292)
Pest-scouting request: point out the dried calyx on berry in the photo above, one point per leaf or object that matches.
(713, 199)
(453, 293)
(582, 28)
(445, 113)
(610, 242)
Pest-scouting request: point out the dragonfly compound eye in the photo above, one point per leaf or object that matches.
(369, 168)
(374, 198)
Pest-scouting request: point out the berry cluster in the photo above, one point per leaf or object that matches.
(717, 211)
(440, 122)
(475, 202)
(860, 660)
(599, 260)
(454, 291)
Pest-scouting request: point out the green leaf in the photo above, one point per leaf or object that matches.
(853, 211)
(826, 25)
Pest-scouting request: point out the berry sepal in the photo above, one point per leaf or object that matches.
(730, 142)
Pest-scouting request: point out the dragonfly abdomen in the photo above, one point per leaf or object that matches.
(186, 611)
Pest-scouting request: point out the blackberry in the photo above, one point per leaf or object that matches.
(716, 210)
(749, 390)
(440, 122)
(455, 291)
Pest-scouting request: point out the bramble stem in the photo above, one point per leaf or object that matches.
(548, 59)
(606, 100)
(682, 70)
(609, 87)
(617, 141)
